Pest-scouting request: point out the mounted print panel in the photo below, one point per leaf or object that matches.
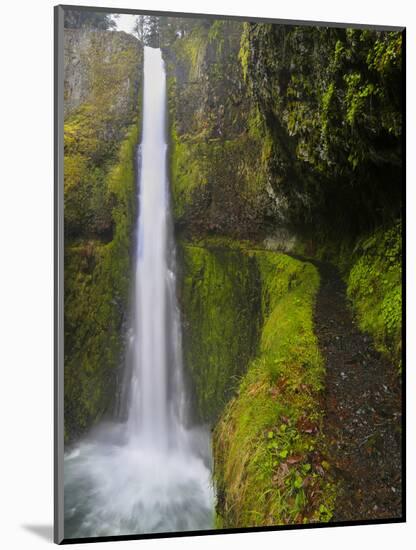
(229, 231)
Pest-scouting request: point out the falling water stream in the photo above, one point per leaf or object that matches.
(152, 473)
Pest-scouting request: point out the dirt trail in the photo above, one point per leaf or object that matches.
(363, 410)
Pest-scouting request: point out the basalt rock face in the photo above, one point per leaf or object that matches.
(94, 57)
(102, 82)
(103, 77)
(217, 166)
(282, 126)
(291, 137)
(331, 101)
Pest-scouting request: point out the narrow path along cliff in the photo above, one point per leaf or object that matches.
(363, 409)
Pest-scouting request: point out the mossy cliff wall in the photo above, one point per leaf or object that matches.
(248, 337)
(374, 285)
(290, 138)
(220, 298)
(332, 101)
(103, 78)
(218, 180)
(269, 465)
(276, 125)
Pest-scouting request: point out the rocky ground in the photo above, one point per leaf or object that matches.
(363, 410)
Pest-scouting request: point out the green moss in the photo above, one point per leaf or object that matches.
(248, 329)
(94, 130)
(219, 146)
(244, 52)
(215, 182)
(100, 139)
(268, 468)
(96, 283)
(371, 267)
(331, 100)
(374, 284)
(219, 295)
(193, 49)
(188, 173)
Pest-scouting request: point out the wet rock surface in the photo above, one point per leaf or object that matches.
(363, 410)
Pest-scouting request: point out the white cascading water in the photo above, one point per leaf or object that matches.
(148, 410)
(151, 474)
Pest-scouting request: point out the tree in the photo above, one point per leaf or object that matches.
(78, 19)
(152, 32)
(138, 28)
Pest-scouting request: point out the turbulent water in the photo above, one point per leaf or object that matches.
(151, 473)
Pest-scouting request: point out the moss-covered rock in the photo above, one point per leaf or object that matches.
(218, 154)
(331, 100)
(221, 305)
(296, 131)
(101, 132)
(102, 87)
(289, 126)
(280, 132)
(268, 463)
(215, 186)
(102, 69)
(256, 371)
(371, 267)
(288, 135)
(374, 285)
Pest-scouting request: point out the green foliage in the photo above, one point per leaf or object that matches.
(386, 55)
(374, 286)
(268, 467)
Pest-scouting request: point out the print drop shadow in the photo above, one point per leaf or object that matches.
(43, 531)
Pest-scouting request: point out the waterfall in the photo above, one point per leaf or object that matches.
(152, 473)
(157, 326)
